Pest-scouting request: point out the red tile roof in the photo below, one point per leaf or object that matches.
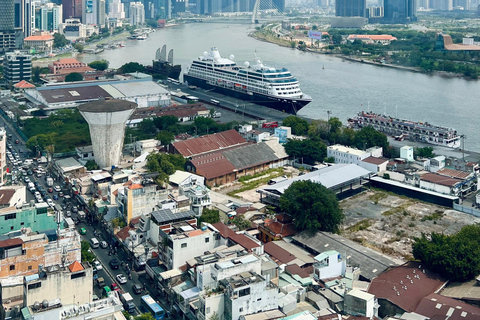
(439, 179)
(295, 269)
(278, 253)
(11, 243)
(454, 173)
(39, 38)
(212, 165)
(377, 161)
(417, 288)
(75, 266)
(123, 234)
(240, 239)
(135, 186)
(24, 85)
(208, 143)
(436, 306)
(278, 228)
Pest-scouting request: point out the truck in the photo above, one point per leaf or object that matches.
(127, 302)
(50, 181)
(273, 124)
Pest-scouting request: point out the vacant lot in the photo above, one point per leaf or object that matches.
(389, 223)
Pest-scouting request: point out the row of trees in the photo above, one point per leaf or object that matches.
(165, 165)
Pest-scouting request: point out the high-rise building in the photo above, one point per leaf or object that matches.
(442, 5)
(8, 36)
(350, 8)
(25, 16)
(137, 13)
(101, 13)
(72, 9)
(399, 11)
(48, 17)
(17, 66)
(117, 10)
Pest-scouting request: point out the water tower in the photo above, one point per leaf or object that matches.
(106, 121)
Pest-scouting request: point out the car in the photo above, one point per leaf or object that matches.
(114, 264)
(50, 203)
(104, 244)
(38, 175)
(41, 188)
(121, 278)
(17, 141)
(137, 288)
(76, 220)
(97, 265)
(50, 190)
(83, 231)
(74, 209)
(55, 197)
(26, 179)
(57, 189)
(21, 151)
(60, 194)
(36, 184)
(29, 172)
(68, 214)
(115, 287)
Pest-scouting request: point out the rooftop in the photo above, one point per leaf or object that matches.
(24, 85)
(438, 307)
(454, 173)
(439, 179)
(6, 195)
(39, 38)
(374, 160)
(208, 143)
(243, 279)
(166, 216)
(110, 105)
(344, 149)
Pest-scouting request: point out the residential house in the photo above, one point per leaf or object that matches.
(373, 164)
(39, 217)
(329, 264)
(360, 303)
(184, 178)
(230, 238)
(68, 65)
(164, 220)
(85, 153)
(41, 43)
(276, 229)
(343, 154)
(199, 196)
(12, 196)
(406, 152)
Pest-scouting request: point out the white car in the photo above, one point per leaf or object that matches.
(97, 265)
(121, 278)
(50, 203)
(57, 188)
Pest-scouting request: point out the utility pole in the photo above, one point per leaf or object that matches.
(463, 137)
(328, 119)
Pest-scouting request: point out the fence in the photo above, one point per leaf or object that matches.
(469, 210)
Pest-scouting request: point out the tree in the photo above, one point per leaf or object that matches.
(91, 165)
(241, 222)
(165, 165)
(299, 126)
(74, 76)
(99, 65)
(131, 67)
(425, 152)
(79, 47)
(312, 206)
(308, 150)
(456, 257)
(165, 137)
(368, 137)
(209, 216)
(59, 40)
(334, 124)
(163, 123)
(86, 253)
(144, 316)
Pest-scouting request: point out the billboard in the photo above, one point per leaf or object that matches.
(315, 34)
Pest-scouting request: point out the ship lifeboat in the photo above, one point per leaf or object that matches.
(237, 85)
(244, 87)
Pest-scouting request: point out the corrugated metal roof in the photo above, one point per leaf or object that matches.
(208, 143)
(166, 215)
(140, 88)
(250, 155)
(112, 91)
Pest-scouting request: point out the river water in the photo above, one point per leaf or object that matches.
(336, 85)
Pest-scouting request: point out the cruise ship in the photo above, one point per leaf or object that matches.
(271, 87)
(406, 129)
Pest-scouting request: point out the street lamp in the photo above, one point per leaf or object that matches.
(328, 119)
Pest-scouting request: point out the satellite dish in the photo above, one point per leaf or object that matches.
(247, 64)
(232, 57)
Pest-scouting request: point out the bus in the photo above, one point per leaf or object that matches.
(215, 102)
(149, 305)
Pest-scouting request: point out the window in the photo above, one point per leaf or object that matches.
(10, 216)
(240, 309)
(12, 267)
(207, 240)
(259, 299)
(29, 267)
(184, 245)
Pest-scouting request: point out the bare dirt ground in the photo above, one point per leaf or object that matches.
(389, 223)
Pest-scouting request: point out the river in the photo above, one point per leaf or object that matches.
(336, 85)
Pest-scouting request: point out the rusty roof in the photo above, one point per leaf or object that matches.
(6, 195)
(24, 85)
(11, 243)
(436, 306)
(439, 179)
(406, 285)
(278, 253)
(374, 160)
(295, 269)
(209, 143)
(279, 228)
(212, 165)
(240, 239)
(454, 173)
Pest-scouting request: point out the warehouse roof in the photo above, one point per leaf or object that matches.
(208, 143)
(250, 155)
(439, 179)
(371, 263)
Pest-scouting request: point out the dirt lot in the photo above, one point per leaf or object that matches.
(389, 223)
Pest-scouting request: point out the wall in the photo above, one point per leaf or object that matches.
(435, 187)
(223, 273)
(259, 299)
(330, 268)
(26, 263)
(196, 246)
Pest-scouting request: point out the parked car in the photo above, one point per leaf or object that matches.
(114, 264)
(121, 278)
(50, 190)
(115, 287)
(137, 288)
(84, 232)
(104, 244)
(55, 197)
(97, 265)
(74, 209)
(57, 189)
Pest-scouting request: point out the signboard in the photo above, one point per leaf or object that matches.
(315, 34)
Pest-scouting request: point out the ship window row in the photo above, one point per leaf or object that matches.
(251, 86)
(226, 77)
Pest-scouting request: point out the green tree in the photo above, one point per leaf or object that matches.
(165, 122)
(165, 137)
(368, 137)
(59, 40)
(79, 47)
(312, 206)
(308, 150)
(425, 152)
(209, 216)
(91, 165)
(86, 252)
(74, 76)
(99, 65)
(40, 141)
(334, 124)
(165, 165)
(131, 67)
(456, 257)
(147, 126)
(144, 316)
(241, 222)
(299, 126)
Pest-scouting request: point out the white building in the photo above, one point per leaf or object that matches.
(348, 155)
(199, 196)
(376, 165)
(437, 163)
(183, 178)
(73, 29)
(328, 264)
(117, 10)
(137, 13)
(360, 303)
(85, 153)
(51, 16)
(406, 152)
(146, 146)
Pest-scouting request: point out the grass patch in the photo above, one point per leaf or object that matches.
(375, 198)
(249, 185)
(361, 225)
(437, 215)
(257, 175)
(391, 212)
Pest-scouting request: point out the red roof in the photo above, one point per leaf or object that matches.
(123, 234)
(135, 186)
(75, 266)
(439, 179)
(376, 161)
(39, 38)
(67, 61)
(283, 229)
(410, 275)
(212, 165)
(240, 239)
(454, 173)
(295, 269)
(24, 85)
(436, 306)
(11, 243)
(278, 253)
(208, 143)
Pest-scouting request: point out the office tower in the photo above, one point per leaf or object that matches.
(72, 9)
(442, 5)
(137, 13)
(101, 13)
(350, 8)
(399, 11)
(9, 37)
(17, 66)
(117, 10)
(48, 17)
